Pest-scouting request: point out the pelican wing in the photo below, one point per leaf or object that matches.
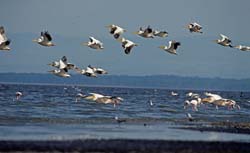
(47, 36)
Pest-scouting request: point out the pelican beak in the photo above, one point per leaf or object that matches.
(108, 26)
(161, 47)
(136, 33)
(85, 44)
(120, 39)
(51, 71)
(136, 44)
(34, 40)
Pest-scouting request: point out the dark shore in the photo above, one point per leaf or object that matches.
(228, 127)
(124, 146)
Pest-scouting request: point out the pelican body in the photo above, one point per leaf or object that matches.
(172, 47)
(224, 41)
(4, 41)
(94, 43)
(45, 39)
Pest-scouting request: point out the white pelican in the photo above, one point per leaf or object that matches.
(242, 48)
(63, 64)
(94, 43)
(194, 27)
(89, 72)
(194, 103)
(4, 41)
(160, 33)
(127, 45)
(210, 97)
(18, 95)
(226, 102)
(99, 98)
(115, 30)
(146, 33)
(119, 121)
(171, 48)
(45, 39)
(60, 73)
(224, 41)
(98, 70)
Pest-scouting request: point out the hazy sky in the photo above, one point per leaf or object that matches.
(72, 22)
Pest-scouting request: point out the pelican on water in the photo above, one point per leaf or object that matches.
(4, 41)
(45, 39)
(127, 45)
(194, 27)
(171, 48)
(224, 41)
(242, 48)
(194, 103)
(94, 43)
(115, 30)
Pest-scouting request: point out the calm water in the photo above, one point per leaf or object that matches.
(51, 112)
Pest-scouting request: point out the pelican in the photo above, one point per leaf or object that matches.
(94, 43)
(98, 70)
(99, 98)
(160, 33)
(242, 48)
(115, 30)
(63, 64)
(18, 95)
(127, 45)
(45, 39)
(4, 41)
(194, 27)
(119, 121)
(224, 41)
(60, 73)
(226, 102)
(210, 97)
(109, 100)
(194, 103)
(171, 48)
(87, 72)
(146, 33)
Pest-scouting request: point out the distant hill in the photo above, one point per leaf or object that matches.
(154, 81)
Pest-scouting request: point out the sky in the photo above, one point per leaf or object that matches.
(71, 22)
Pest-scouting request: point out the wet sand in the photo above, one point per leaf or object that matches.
(124, 145)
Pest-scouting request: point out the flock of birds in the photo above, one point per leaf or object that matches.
(63, 66)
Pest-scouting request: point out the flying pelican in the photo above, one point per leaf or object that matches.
(194, 27)
(45, 39)
(160, 33)
(146, 33)
(127, 45)
(18, 95)
(4, 41)
(242, 48)
(60, 73)
(115, 30)
(89, 72)
(63, 64)
(94, 43)
(171, 48)
(109, 100)
(98, 70)
(224, 41)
